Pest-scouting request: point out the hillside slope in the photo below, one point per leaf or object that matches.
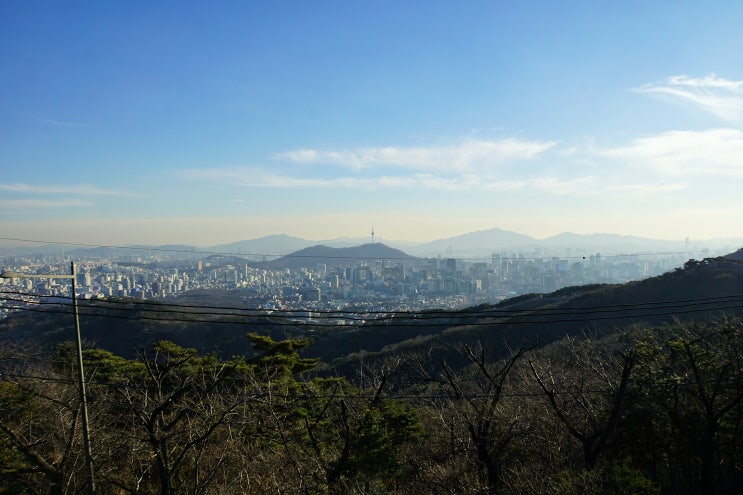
(701, 290)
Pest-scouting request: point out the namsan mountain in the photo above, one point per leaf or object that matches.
(314, 255)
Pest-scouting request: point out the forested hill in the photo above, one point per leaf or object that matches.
(700, 290)
(312, 256)
(737, 255)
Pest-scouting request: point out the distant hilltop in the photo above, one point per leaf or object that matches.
(330, 256)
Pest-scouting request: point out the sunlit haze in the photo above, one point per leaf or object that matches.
(196, 123)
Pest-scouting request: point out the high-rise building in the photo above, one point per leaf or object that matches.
(310, 293)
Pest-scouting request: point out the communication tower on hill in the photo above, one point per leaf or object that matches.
(372, 234)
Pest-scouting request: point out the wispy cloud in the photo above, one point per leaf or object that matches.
(649, 188)
(578, 185)
(83, 189)
(466, 156)
(42, 203)
(252, 177)
(716, 95)
(428, 182)
(469, 165)
(56, 122)
(570, 173)
(713, 152)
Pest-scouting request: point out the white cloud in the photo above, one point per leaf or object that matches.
(574, 173)
(85, 189)
(713, 152)
(467, 156)
(466, 166)
(716, 95)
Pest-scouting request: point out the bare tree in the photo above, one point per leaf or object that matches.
(40, 442)
(695, 374)
(470, 410)
(585, 383)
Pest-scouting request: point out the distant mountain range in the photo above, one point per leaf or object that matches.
(485, 242)
(473, 244)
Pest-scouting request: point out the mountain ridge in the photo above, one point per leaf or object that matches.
(702, 289)
(476, 243)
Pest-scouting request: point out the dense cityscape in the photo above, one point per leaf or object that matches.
(355, 285)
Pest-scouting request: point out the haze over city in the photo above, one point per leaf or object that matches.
(199, 124)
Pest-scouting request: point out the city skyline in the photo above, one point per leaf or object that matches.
(177, 123)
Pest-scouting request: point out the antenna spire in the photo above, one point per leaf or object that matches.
(372, 234)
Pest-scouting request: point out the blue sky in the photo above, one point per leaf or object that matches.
(182, 122)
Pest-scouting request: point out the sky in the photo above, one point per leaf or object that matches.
(210, 122)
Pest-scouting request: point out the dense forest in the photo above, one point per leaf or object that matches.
(592, 390)
(647, 410)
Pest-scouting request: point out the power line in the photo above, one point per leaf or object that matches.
(162, 308)
(307, 396)
(166, 308)
(411, 322)
(419, 314)
(564, 390)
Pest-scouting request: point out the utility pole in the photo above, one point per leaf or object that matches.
(81, 382)
(80, 371)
